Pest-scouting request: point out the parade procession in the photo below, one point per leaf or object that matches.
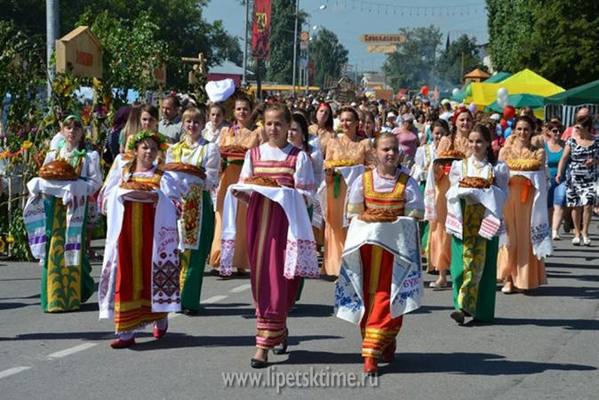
(230, 199)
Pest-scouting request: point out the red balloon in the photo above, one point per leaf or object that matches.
(424, 90)
(509, 112)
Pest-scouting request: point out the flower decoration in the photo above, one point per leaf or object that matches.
(147, 134)
(26, 145)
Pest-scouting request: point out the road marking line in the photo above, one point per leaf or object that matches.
(72, 350)
(241, 288)
(213, 299)
(12, 371)
(173, 316)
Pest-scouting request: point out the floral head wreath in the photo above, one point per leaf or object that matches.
(147, 134)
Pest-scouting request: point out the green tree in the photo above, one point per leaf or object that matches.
(279, 66)
(557, 39)
(460, 57)
(131, 52)
(329, 55)
(414, 61)
(510, 24)
(179, 23)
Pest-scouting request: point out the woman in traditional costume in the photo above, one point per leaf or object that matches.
(275, 180)
(475, 203)
(234, 142)
(216, 122)
(520, 263)
(56, 220)
(139, 283)
(322, 128)
(450, 148)
(345, 159)
(423, 161)
(141, 116)
(194, 162)
(380, 278)
(299, 137)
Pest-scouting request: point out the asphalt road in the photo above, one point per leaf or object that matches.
(543, 345)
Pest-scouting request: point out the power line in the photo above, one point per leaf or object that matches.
(374, 7)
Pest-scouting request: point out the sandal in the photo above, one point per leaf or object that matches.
(508, 288)
(438, 286)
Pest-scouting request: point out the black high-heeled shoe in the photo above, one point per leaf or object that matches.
(283, 348)
(256, 363)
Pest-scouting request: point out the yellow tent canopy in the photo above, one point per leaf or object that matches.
(525, 81)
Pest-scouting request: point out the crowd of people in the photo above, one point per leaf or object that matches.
(295, 188)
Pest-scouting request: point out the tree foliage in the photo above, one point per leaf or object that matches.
(329, 55)
(461, 57)
(279, 67)
(178, 23)
(414, 61)
(558, 39)
(131, 51)
(22, 71)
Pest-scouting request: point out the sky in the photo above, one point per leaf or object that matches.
(349, 19)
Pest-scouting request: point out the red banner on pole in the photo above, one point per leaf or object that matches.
(261, 29)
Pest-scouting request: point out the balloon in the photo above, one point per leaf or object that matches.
(455, 92)
(509, 112)
(502, 92)
(424, 90)
(472, 108)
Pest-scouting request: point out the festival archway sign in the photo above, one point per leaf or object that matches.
(383, 42)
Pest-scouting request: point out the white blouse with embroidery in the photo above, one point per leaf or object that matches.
(422, 160)
(481, 169)
(200, 154)
(91, 172)
(414, 204)
(303, 175)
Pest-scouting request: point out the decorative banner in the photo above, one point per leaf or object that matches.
(261, 29)
(383, 38)
(382, 48)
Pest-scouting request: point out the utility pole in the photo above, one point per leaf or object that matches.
(462, 69)
(295, 45)
(52, 28)
(245, 41)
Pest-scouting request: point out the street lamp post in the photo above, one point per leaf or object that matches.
(321, 7)
(295, 45)
(245, 41)
(52, 18)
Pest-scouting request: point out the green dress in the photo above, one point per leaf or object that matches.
(63, 288)
(473, 267)
(196, 201)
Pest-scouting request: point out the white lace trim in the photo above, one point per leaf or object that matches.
(301, 259)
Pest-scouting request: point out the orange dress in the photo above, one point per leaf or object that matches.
(323, 134)
(439, 242)
(340, 148)
(516, 261)
(232, 163)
